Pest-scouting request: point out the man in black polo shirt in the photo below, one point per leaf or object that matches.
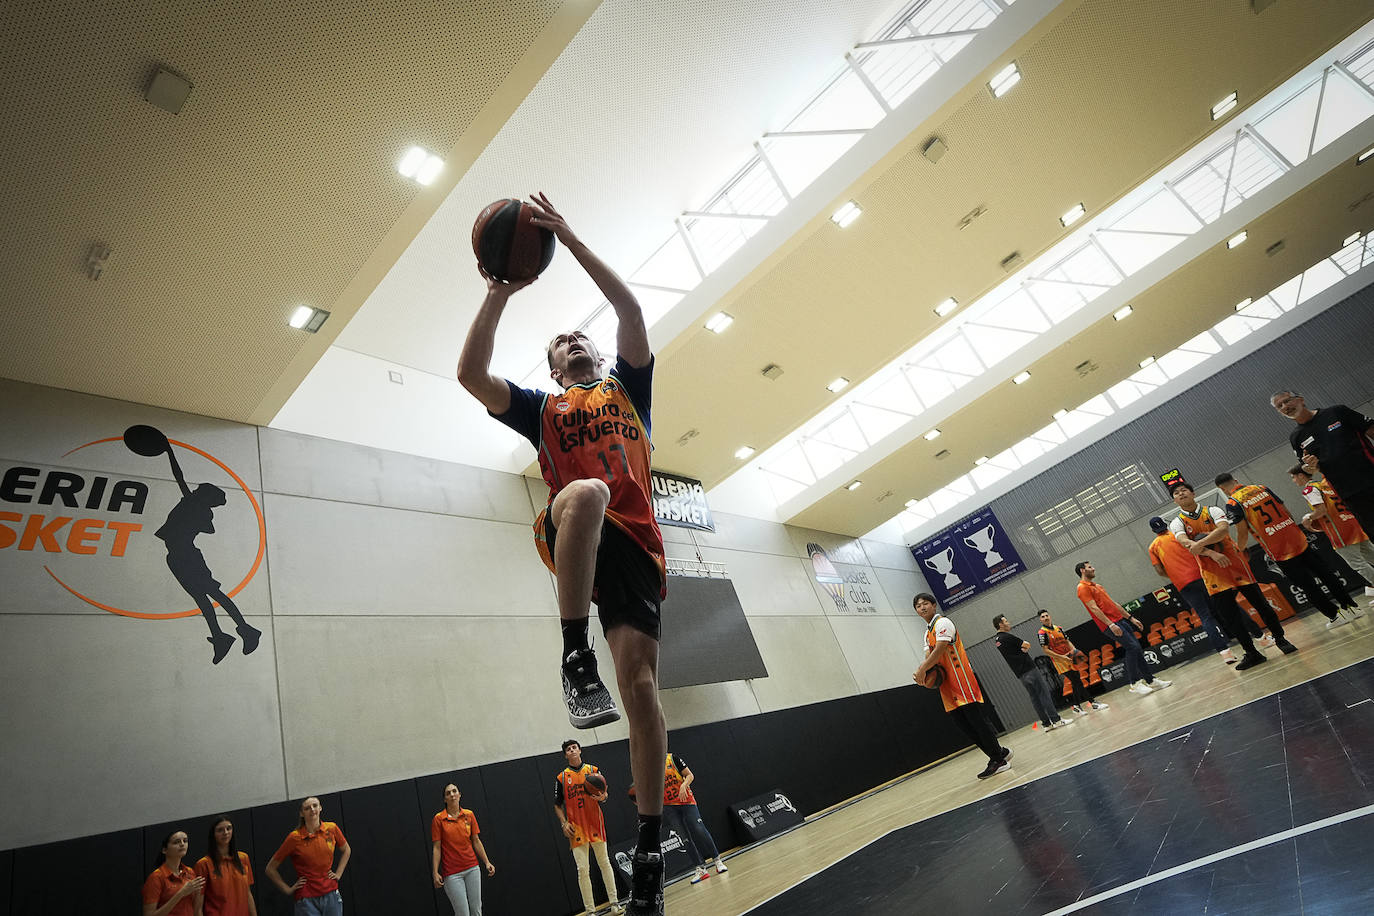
(1339, 438)
(1017, 653)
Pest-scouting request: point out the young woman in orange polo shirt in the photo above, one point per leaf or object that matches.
(457, 849)
(172, 889)
(227, 873)
(311, 848)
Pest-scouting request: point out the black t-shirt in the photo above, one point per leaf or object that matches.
(1009, 644)
(1338, 437)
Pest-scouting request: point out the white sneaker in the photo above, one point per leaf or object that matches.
(1076, 710)
(1140, 687)
(1096, 705)
(1265, 642)
(1159, 684)
(1340, 621)
(720, 867)
(700, 875)
(1227, 657)
(1354, 613)
(1063, 722)
(1368, 592)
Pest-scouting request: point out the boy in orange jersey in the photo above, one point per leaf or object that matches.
(1061, 651)
(597, 534)
(1333, 518)
(1254, 508)
(959, 690)
(1113, 620)
(1202, 529)
(578, 807)
(1173, 562)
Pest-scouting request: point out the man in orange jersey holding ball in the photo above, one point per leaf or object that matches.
(1253, 508)
(960, 691)
(578, 807)
(597, 534)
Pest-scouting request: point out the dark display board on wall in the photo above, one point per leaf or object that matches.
(706, 637)
(967, 558)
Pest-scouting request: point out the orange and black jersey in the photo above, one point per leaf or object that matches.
(1268, 519)
(600, 430)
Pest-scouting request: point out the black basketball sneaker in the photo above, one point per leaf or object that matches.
(589, 702)
(646, 885)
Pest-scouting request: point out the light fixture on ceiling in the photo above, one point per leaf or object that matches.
(1220, 109)
(911, 503)
(420, 165)
(1243, 304)
(1007, 77)
(718, 322)
(1350, 239)
(168, 90)
(1060, 414)
(744, 451)
(1237, 240)
(838, 385)
(1073, 216)
(846, 214)
(854, 485)
(947, 306)
(1364, 156)
(1021, 378)
(981, 460)
(307, 318)
(1123, 313)
(931, 435)
(1147, 361)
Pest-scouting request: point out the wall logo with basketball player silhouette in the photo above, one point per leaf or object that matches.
(136, 542)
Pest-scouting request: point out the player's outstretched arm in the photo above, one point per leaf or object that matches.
(631, 336)
(474, 363)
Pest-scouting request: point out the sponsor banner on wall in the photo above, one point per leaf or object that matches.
(136, 545)
(967, 558)
(680, 501)
(764, 815)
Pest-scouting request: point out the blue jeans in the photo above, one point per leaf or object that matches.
(1194, 594)
(1136, 669)
(1041, 699)
(464, 891)
(687, 820)
(330, 904)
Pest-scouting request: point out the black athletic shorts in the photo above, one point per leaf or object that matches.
(627, 584)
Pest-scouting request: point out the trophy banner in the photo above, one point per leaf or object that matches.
(967, 558)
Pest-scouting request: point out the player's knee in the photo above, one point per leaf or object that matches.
(589, 492)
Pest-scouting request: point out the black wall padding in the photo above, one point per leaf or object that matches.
(818, 755)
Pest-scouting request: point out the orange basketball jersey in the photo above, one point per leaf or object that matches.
(959, 686)
(594, 431)
(672, 781)
(582, 811)
(1216, 577)
(1340, 525)
(1269, 521)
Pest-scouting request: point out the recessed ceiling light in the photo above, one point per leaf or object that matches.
(1124, 312)
(744, 451)
(911, 503)
(719, 322)
(1350, 239)
(1243, 304)
(1007, 77)
(307, 318)
(1060, 414)
(931, 435)
(1020, 378)
(981, 460)
(1073, 216)
(1365, 155)
(846, 214)
(949, 305)
(1237, 239)
(854, 485)
(838, 385)
(421, 165)
(1147, 361)
(1220, 109)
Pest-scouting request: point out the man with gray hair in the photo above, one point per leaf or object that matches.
(1339, 438)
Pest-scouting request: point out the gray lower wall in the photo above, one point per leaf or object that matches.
(408, 626)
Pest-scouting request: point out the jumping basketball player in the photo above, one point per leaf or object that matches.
(598, 533)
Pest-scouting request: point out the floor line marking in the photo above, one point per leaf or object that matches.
(1214, 857)
(1365, 700)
